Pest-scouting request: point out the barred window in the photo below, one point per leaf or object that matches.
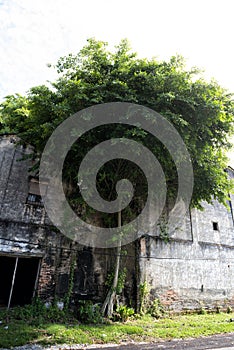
(35, 191)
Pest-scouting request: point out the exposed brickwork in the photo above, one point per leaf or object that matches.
(26, 231)
(169, 298)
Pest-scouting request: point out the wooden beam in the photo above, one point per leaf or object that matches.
(12, 283)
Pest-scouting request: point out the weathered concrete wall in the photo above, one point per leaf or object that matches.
(187, 273)
(202, 222)
(26, 231)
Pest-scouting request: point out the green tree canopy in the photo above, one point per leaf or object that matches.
(202, 112)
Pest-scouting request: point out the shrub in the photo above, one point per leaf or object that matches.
(144, 297)
(37, 313)
(88, 312)
(123, 313)
(156, 309)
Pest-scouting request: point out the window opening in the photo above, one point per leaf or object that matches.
(35, 191)
(215, 226)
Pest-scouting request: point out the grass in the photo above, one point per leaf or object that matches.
(18, 332)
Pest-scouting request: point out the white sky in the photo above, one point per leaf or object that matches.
(36, 32)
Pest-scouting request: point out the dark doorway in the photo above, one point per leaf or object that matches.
(7, 266)
(84, 277)
(24, 283)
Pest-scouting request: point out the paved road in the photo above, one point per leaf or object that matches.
(217, 342)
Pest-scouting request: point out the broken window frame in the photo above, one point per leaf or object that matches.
(34, 191)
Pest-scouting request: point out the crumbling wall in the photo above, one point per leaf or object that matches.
(26, 231)
(24, 228)
(190, 273)
(195, 266)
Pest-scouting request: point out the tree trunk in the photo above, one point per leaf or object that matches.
(111, 295)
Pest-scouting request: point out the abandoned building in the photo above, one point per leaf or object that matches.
(196, 266)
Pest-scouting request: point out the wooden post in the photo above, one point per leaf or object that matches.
(12, 283)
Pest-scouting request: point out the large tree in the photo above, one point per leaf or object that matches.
(202, 112)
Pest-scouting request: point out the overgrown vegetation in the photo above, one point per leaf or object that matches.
(26, 325)
(144, 297)
(38, 312)
(152, 307)
(123, 313)
(88, 312)
(67, 298)
(202, 112)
